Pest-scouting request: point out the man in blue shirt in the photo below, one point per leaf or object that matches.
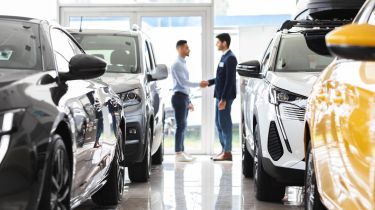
(225, 93)
(180, 99)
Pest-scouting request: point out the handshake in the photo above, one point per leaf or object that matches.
(203, 84)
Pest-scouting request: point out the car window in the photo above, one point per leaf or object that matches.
(364, 13)
(371, 20)
(152, 60)
(119, 51)
(295, 56)
(147, 58)
(62, 48)
(19, 45)
(153, 53)
(266, 58)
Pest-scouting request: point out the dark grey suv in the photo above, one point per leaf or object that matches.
(134, 75)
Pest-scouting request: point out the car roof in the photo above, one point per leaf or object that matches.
(103, 31)
(20, 18)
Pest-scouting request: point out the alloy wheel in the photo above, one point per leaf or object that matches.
(60, 181)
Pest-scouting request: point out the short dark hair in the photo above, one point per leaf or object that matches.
(224, 37)
(180, 43)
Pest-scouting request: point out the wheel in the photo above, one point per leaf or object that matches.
(247, 159)
(140, 172)
(266, 188)
(111, 193)
(158, 157)
(312, 196)
(56, 191)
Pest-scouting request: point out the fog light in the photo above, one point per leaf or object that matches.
(132, 131)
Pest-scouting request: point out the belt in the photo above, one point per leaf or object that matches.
(177, 93)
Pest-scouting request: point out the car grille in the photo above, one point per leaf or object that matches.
(275, 147)
(292, 113)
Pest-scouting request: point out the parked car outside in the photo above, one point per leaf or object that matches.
(62, 130)
(339, 126)
(134, 75)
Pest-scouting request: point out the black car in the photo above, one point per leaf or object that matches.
(62, 130)
(134, 75)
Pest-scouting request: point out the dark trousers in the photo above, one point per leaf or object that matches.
(180, 103)
(223, 122)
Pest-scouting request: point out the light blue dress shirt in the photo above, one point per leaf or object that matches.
(180, 75)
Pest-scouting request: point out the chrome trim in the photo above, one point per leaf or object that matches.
(6, 127)
(132, 142)
(281, 125)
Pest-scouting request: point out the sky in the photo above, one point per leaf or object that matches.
(47, 9)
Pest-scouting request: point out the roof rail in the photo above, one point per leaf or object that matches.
(136, 27)
(313, 23)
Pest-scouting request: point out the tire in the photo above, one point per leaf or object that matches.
(158, 157)
(266, 188)
(312, 196)
(140, 172)
(247, 159)
(111, 193)
(57, 185)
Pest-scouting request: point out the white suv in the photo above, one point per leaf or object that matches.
(273, 98)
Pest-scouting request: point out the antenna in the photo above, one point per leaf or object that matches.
(80, 25)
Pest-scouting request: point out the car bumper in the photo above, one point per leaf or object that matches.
(135, 135)
(20, 184)
(287, 176)
(281, 131)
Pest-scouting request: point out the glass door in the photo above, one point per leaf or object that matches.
(165, 31)
(165, 24)
(99, 22)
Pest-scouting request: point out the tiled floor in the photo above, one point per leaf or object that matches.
(200, 185)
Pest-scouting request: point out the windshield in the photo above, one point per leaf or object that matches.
(295, 56)
(19, 45)
(119, 51)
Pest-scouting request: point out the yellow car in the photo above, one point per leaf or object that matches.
(340, 121)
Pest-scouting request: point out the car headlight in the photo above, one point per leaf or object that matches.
(131, 98)
(6, 123)
(277, 96)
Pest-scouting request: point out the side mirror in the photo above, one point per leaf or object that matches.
(84, 66)
(355, 41)
(249, 69)
(160, 73)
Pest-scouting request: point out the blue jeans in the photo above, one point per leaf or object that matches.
(223, 122)
(180, 105)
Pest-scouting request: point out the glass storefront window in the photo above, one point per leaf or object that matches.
(131, 1)
(97, 22)
(165, 32)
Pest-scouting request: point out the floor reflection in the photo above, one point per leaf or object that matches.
(200, 185)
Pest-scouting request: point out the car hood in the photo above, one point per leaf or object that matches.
(300, 83)
(122, 82)
(8, 76)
